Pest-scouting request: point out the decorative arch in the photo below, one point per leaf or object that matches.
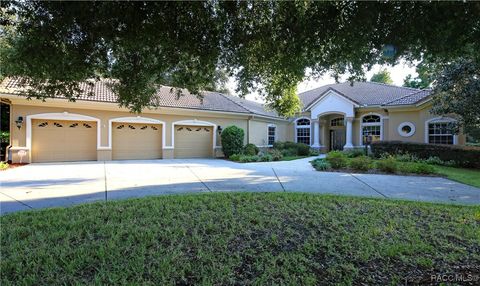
(194, 122)
(135, 119)
(440, 119)
(362, 124)
(59, 116)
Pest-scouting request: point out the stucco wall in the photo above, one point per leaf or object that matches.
(258, 128)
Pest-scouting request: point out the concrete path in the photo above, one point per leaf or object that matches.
(64, 184)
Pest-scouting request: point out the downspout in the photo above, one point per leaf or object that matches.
(248, 128)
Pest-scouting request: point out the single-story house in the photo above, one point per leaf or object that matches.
(94, 127)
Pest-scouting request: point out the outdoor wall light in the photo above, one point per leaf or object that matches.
(19, 122)
(219, 128)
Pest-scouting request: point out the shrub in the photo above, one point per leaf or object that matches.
(266, 158)
(250, 149)
(276, 155)
(337, 159)
(354, 153)
(387, 165)
(434, 160)
(232, 140)
(3, 165)
(235, 157)
(303, 149)
(248, 159)
(289, 152)
(321, 165)
(406, 157)
(362, 163)
(417, 168)
(464, 156)
(314, 152)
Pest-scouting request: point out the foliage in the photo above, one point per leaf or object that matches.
(232, 140)
(266, 158)
(267, 46)
(235, 157)
(457, 91)
(3, 165)
(387, 164)
(337, 159)
(416, 168)
(4, 136)
(434, 160)
(382, 76)
(321, 165)
(352, 153)
(303, 149)
(289, 152)
(314, 152)
(276, 154)
(426, 71)
(251, 149)
(249, 159)
(361, 163)
(467, 156)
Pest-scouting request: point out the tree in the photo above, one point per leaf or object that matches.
(426, 70)
(457, 91)
(267, 46)
(382, 76)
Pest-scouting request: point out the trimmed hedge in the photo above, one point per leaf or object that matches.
(462, 156)
(232, 140)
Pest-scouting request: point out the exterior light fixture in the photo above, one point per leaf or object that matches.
(219, 129)
(19, 122)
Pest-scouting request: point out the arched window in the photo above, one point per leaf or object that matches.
(441, 131)
(371, 125)
(302, 131)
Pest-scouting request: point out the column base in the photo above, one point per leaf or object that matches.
(348, 147)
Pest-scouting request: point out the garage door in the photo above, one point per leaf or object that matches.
(193, 141)
(59, 140)
(136, 141)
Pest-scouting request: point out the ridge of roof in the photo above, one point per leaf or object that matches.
(403, 97)
(392, 85)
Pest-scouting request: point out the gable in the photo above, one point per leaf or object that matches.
(332, 102)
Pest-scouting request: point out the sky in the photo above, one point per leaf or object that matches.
(397, 72)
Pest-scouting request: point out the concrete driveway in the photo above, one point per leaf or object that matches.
(64, 184)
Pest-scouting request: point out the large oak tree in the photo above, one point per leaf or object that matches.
(267, 46)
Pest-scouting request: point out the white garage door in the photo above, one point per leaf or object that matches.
(60, 140)
(193, 141)
(136, 141)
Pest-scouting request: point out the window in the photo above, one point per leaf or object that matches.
(337, 122)
(371, 125)
(440, 133)
(406, 129)
(271, 134)
(302, 129)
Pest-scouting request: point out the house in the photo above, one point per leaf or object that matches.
(336, 116)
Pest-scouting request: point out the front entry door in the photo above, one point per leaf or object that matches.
(337, 139)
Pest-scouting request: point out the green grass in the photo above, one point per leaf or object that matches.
(248, 238)
(466, 176)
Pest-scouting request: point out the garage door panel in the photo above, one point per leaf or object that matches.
(193, 141)
(136, 141)
(59, 140)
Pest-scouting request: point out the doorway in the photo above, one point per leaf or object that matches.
(337, 139)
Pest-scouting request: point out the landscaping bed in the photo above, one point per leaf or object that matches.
(354, 161)
(241, 238)
(280, 151)
(5, 166)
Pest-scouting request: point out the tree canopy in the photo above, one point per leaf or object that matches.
(266, 46)
(426, 70)
(382, 76)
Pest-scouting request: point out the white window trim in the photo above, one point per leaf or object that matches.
(137, 119)
(194, 122)
(268, 135)
(403, 124)
(440, 119)
(303, 126)
(360, 131)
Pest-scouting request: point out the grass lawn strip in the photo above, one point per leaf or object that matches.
(241, 238)
(466, 176)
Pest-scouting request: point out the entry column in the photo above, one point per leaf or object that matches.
(316, 133)
(349, 133)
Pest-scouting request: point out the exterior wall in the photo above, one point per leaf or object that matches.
(104, 112)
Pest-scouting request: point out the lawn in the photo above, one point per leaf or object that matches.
(291, 158)
(247, 238)
(466, 176)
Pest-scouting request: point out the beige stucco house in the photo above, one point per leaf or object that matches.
(336, 116)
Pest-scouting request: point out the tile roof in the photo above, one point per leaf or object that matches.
(166, 97)
(368, 93)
